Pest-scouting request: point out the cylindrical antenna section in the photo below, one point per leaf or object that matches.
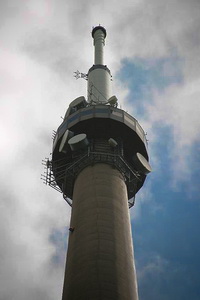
(99, 77)
(98, 34)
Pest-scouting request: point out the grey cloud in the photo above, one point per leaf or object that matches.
(156, 28)
(9, 9)
(51, 50)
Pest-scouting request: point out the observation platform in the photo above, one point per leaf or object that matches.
(99, 123)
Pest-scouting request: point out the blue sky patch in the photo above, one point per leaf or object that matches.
(59, 239)
(145, 75)
(167, 240)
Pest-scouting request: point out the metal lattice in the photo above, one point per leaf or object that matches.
(67, 172)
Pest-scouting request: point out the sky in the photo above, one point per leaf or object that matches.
(152, 49)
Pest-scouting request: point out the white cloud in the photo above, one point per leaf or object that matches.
(154, 266)
(178, 108)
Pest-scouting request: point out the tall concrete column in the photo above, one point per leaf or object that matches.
(100, 263)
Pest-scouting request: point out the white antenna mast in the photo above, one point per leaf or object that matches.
(99, 35)
(99, 77)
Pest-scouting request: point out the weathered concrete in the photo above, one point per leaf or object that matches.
(100, 264)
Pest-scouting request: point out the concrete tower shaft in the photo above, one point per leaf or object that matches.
(100, 262)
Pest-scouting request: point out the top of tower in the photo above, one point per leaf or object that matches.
(98, 132)
(99, 35)
(99, 27)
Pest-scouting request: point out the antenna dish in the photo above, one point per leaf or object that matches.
(75, 105)
(112, 143)
(113, 101)
(79, 102)
(141, 164)
(63, 145)
(78, 142)
(55, 141)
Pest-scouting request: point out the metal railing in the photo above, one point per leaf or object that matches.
(61, 175)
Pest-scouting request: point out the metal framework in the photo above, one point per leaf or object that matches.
(67, 172)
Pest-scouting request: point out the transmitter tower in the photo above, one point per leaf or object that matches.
(99, 162)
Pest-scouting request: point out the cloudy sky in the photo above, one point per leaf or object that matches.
(153, 51)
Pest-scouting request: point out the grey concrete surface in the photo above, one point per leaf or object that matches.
(100, 263)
